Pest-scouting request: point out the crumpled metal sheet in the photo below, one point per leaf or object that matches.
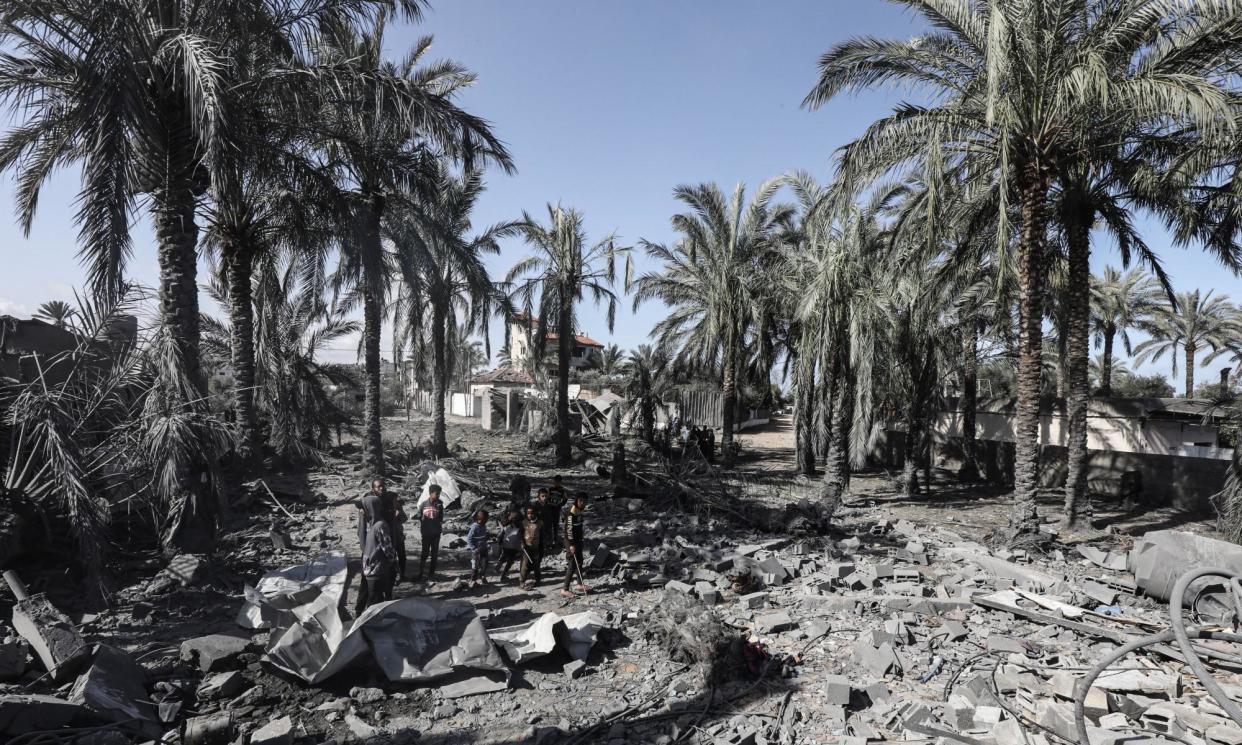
(409, 640)
(576, 633)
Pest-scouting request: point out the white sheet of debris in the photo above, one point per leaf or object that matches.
(450, 492)
(540, 637)
(409, 640)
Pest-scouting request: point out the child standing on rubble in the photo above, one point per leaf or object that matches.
(532, 547)
(574, 529)
(510, 542)
(479, 541)
(550, 516)
(431, 526)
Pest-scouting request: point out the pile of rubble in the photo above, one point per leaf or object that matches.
(694, 632)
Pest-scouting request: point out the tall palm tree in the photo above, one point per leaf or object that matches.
(383, 128)
(143, 96)
(56, 312)
(552, 281)
(1012, 84)
(611, 361)
(645, 385)
(1198, 321)
(449, 278)
(1120, 303)
(712, 280)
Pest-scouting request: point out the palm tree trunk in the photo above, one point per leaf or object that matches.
(728, 400)
(969, 403)
(240, 265)
(193, 526)
(837, 463)
(439, 378)
(1190, 370)
(830, 369)
(1078, 383)
(1106, 371)
(804, 402)
(913, 453)
(373, 443)
(1033, 196)
(564, 340)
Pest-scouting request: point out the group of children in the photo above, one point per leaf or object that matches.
(528, 533)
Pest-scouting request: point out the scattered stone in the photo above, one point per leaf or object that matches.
(51, 635)
(215, 652)
(575, 668)
(837, 689)
(677, 586)
(221, 685)
(772, 622)
(754, 600)
(12, 660)
(22, 714)
(114, 687)
(277, 732)
(360, 729)
(367, 695)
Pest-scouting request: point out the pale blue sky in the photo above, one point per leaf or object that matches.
(606, 107)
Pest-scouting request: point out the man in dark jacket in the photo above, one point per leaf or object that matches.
(573, 529)
(378, 505)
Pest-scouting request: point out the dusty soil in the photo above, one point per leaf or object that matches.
(627, 665)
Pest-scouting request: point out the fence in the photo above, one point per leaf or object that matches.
(455, 404)
(704, 409)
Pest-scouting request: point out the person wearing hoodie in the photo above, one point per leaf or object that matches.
(510, 542)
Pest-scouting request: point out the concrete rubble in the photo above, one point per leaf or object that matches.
(694, 631)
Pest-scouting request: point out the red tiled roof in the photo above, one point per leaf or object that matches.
(582, 339)
(504, 374)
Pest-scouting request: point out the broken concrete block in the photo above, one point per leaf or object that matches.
(1057, 717)
(677, 586)
(877, 691)
(858, 581)
(601, 558)
(837, 689)
(367, 695)
(22, 714)
(707, 592)
(876, 660)
(754, 600)
(221, 685)
(215, 652)
(988, 716)
(575, 668)
(1097, 592)
(114, 687)
(1221, 734)
(1116, 720)
(770, 622)
(187, 569)
(1139, 681)
(1110, 560)
(839, 570)
(51, 635)
(12, 661)
(276, 732)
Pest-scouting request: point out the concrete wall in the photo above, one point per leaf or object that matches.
(1108, 433)
(1185, 482)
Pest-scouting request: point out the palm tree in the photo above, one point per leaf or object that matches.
(449, 278)
(645, 385)
(381, 127)
(611, 361)
(56, 312)
(1196, 322)
(553, 281)
(295, 391)
(1012, 86)
(1102, 367)
(143, 96)
(1120, 303)
(711, 279)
